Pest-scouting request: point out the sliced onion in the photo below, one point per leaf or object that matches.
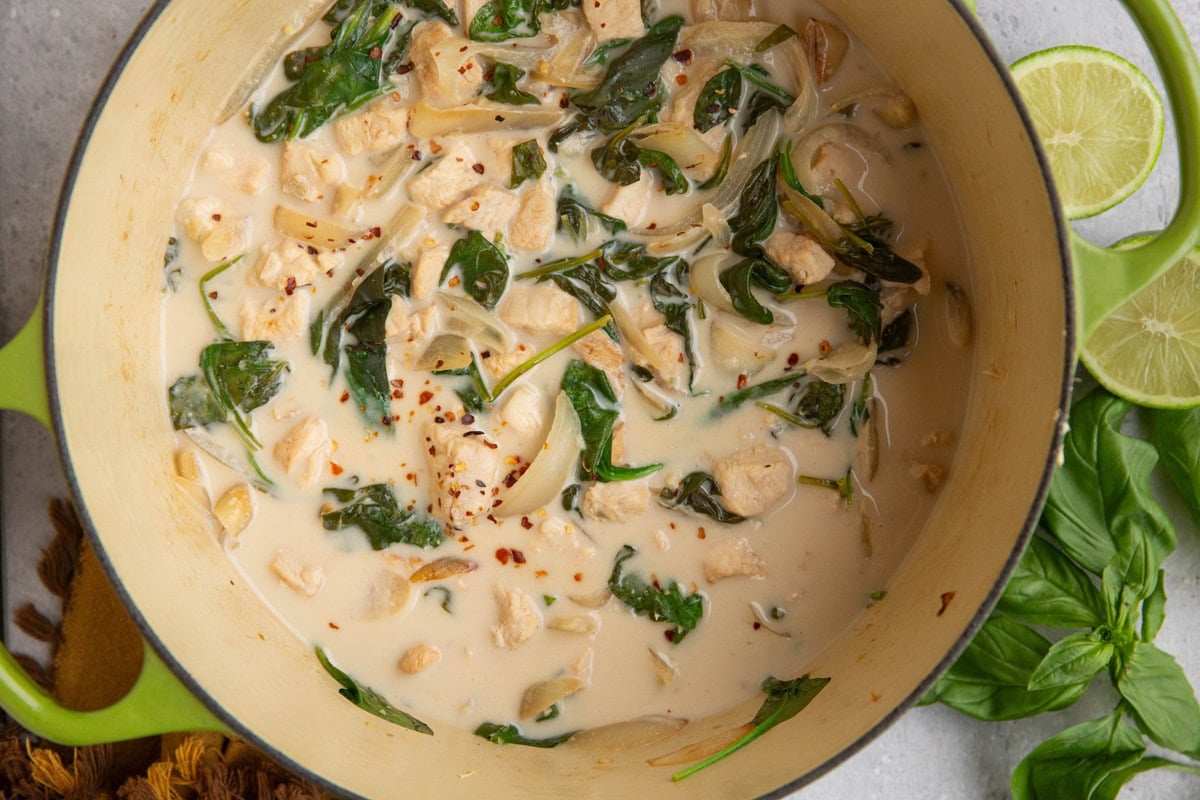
(664, 667)
(716, 224)
(664, 407)
(446, 352)
(443, 568)
(720, 39)
(320, 233)
(575, 623)
(596, 599)
(705, 280)
(680, 142)
(837, 135)
(823, 226)
(540, 696)
(544, 479)
(567, 67)
(397, 167)
(741, 346)
(486, 330)
(208, 444)
(483, 117)
(702, 749)
(848, 363)
(628, 734)
(399, 230)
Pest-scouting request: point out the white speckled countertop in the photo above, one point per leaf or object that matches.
(54, 55)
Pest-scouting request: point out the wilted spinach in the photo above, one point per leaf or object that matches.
(868, 249)
(756, 390)
(235, 378)
(699, 492)
(500, 20)
(816, 405)
(758, 210)
(621, 161)
(587, 284)
(484, 268)
(894, 339)
(376, 512)
(595, 403)
(343, 75)
(740, 279)
(863, 305)
(718, 100)
(503, 78)
(670, 296)
(528, 162)
(510, 734)
(658, 605)
(576, 217)
(370, 700)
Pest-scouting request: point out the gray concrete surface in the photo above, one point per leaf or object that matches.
(54, 55)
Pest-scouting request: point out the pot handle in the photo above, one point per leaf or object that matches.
(1105, 278)
(158, 701)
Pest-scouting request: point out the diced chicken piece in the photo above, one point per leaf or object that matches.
(291, 263)
(235, 509)
(419, 657)
(229, 238)
(464, 469)
(522, 411)
(408, 334)
(615, 502)
(755, 480)
(487, 209)
(614, 19)
(445, 78)
(199, 215)
(447, 180)
(661, 540)
(308, 170)
(427, 269)
(279, 319)
(498, 158)
(380, 126)
(617, 448)
(519, 618)
(669, 347)
(501, 364)
(540, 308)
(629, 203)
(599, 350)
(561, 536)
(305, 580)
(536, 220)
(244, 172)
(801, 255)
(305, 451)
(732, 558)
(220, 234)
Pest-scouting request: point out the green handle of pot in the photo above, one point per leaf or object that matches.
(1104, 278)
(23, 372)
(158, 702)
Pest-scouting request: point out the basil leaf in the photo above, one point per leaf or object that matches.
(1111, 786)
(528, 163)
(1174, 434)
(657, 605)
(718, 100)
(758, 210)
(369, 700)
(1047, 588)
(595, 403)
(346, 73)
(1089, 507)
(500, 20)
(484, 268)
(1075, 762)
(990, 680)
(1157, 688)
(1154, 610)
(510, 734)
(374, 510)
(576, 217)
(740, 279)
(1073, 659)
(504, 79)
(863, 305)
(699, 492)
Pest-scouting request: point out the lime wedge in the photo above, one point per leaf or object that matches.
(1100, 121)
(1148, 350)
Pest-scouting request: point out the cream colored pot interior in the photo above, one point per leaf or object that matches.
(106, 301)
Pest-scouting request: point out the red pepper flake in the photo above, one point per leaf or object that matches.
(404, 69)
(564, 101)
(334, 625)
(290, 287)
(376, 52)
(310, 224)
(335, 468)
(425, 397)
(578, 577)
(212, 295)
(526, 524)
(499, 118)
(652, 226)
(468, 419)
(439, 420)
(541, 573)
(397, 394)
(946, 598)
(701, 534)
(670, 636)
(742, 380)
(502, 555)
(681, 79)
(216, 217)
(398, 383)
(793, 360)
(345, 396)
(479, 168)
(416, 155)
(825, 348)
(682, 56)
(757, 625)
(518, 557)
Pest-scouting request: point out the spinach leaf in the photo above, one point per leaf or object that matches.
(894, 339)
(718, 100)
(1073, 659)
(1174, 434)
(172, 269)
(760, 103)
(591, 288)
(669, 172)
(366, 377)
(576, 217)
(755, 391)
(631, 88)
(528, 162)
(369, 700)
(785, 699)
(758, 209)
(990, 680)
(1100, 504)
(1154, 684)
(435, 8)
(1047, 588)
(595, 403)
(863, 305)
(242, 378)
(503, 78)
(867, 249)
(819, 404)
(1077, 761)
(476, 394)
(757, 76)
(629, 261)
(742, 277)
(500, 20)
(657, 605)
(604, 50)
(484, 268)
(699, 492)
(510, 734)
(718, 177)
(345, 74)
(670, 296)
(193, 404)
(375, 511)
(621, 161)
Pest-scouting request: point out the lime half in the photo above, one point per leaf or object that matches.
(1100, 121)
(1148, 350)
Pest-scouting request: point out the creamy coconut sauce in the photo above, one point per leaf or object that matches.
(807, 559)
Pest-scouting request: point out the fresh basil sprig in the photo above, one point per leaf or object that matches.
(1174, 434)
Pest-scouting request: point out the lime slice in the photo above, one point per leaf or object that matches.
(1148, 350)
(1100, 121)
